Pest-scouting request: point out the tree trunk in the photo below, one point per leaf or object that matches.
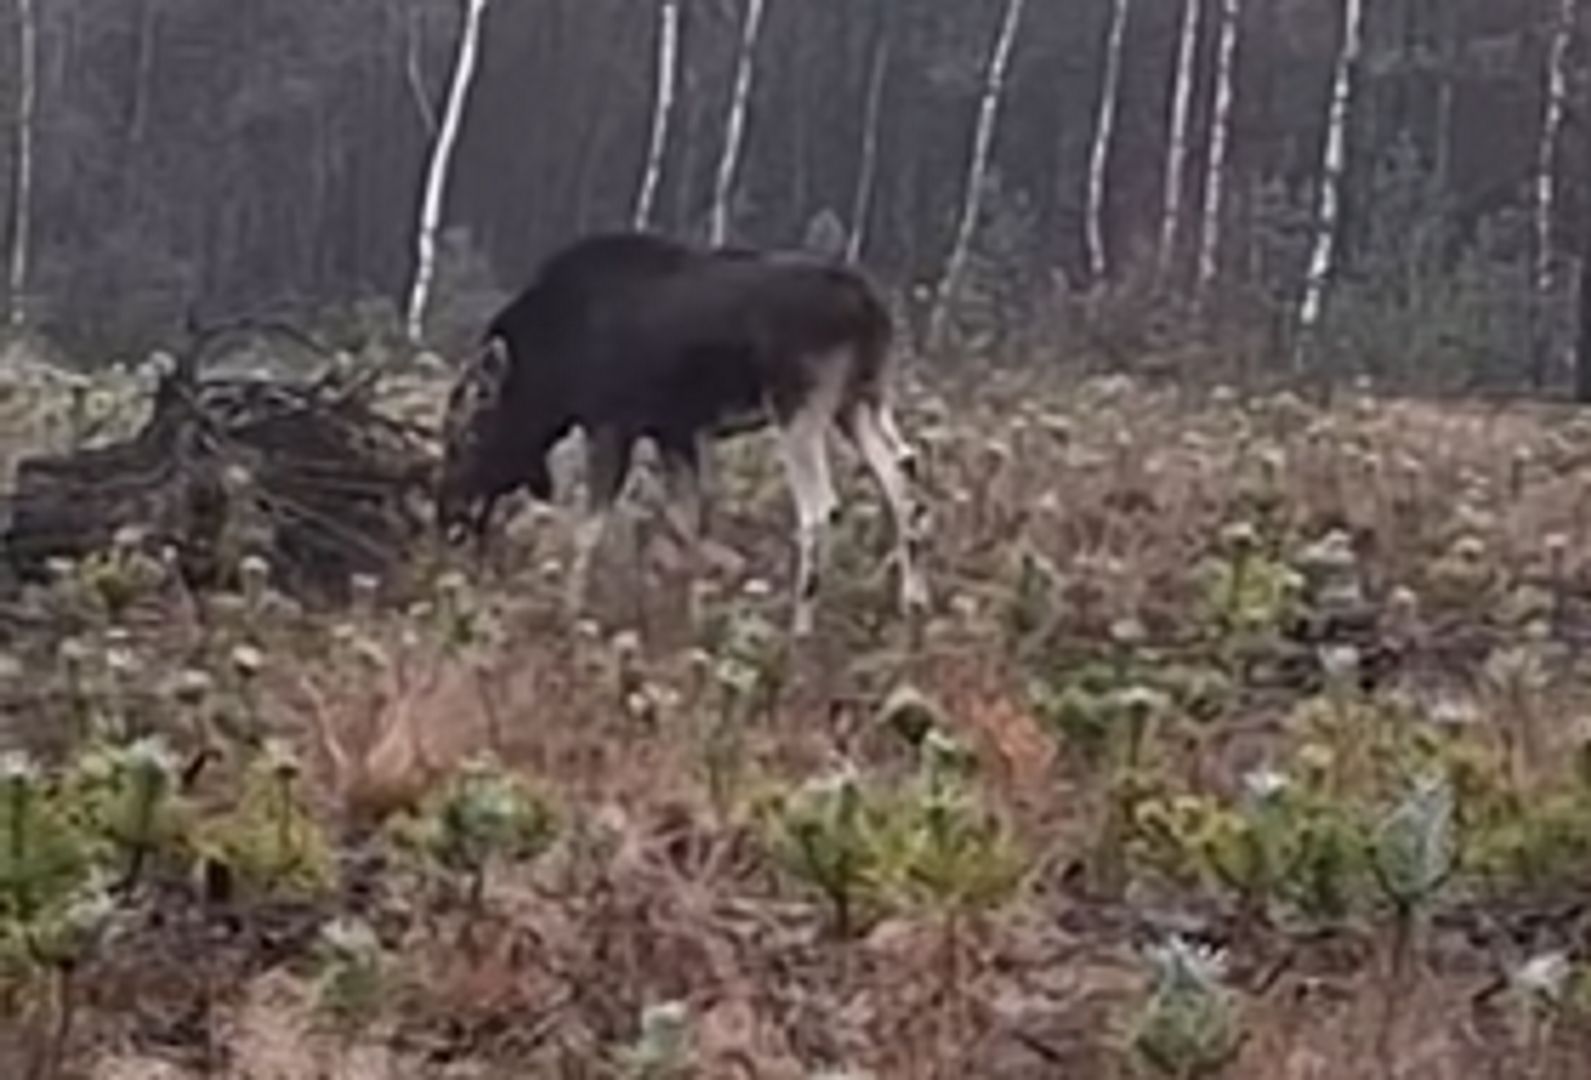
(131, 175)
(414, 71)
(137, 124)
(1442, 137)
(1220, 143)
(22, 183)
(1582, 379)
(735, 125)
(587, 182)
(662, 110)
(977, 168)
(693, 121)
(1177, 138)
(441, 165)
(798, 126)
(1582, 358)
(1104, 132)
(867, 173)
(1546, 190)
(1333, 170)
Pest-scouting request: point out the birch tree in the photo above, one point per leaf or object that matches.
(867, 171)
(22, 182)
(735, 125)
(1582, 373)
(1447, 64)
(977, 167)
(414, 70)
(1104, 133)
(668, 33)
(1333, 169)
(441, 165)
(1555, 103)
(1220, 144)
(1177, 138)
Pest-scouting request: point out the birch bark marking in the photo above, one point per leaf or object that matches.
(441, 164)
(1104, 132)
(22, 183)
(1447, 53)
(662, 110)
(1220, 142)
(1334, 165)
(1177, 139)
(1582, 373)
(414, 70)
(149, 17)
(978, 167)
(735, 125)
(1546, 187)
(867, 173)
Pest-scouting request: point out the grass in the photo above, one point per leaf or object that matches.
(1244, 740)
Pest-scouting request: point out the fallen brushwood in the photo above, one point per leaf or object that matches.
(306, 473)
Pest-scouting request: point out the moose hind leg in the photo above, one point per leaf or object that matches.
(888, 458)
(685, 509)
(479, 526)
(685, 481)
(607, 466)
(805, 453)
(898, 446)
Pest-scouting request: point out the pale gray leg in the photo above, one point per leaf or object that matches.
(685, 510)
(607, 467)
(588, 537)
(805, 453)
(685, 483)
(886, 455)
(898, 446)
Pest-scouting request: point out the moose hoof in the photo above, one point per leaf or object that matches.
(913, 596)
(801, 623)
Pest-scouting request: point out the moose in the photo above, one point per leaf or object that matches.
(629, 335)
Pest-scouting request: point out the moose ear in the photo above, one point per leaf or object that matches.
(494, 360)
(491, 372)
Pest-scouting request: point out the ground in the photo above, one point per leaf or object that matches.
(1245, 739)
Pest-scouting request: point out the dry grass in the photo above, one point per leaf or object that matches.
(659, 890)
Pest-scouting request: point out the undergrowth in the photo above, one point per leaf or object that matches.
(1243, 739)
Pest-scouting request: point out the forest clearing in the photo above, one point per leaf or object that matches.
(1244, 738)
(1244, 732)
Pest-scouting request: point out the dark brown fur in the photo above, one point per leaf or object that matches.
(629, 336)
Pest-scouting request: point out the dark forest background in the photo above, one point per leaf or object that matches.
(236, 155)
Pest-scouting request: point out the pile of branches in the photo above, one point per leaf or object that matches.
(305, 473)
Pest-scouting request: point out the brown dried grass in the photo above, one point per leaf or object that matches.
(1119, 499)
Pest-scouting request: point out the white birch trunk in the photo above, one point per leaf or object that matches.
(1104, 133)
(414, 72)
(1177, 138)
(1334, 164)
(735, 126)
(1546, 186)
(978, 166)
(149, 18)
(22, 184)
(662, 110)
(867, 173)
(441, 165)
(1220, 144)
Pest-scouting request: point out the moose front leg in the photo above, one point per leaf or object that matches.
(805, 453)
